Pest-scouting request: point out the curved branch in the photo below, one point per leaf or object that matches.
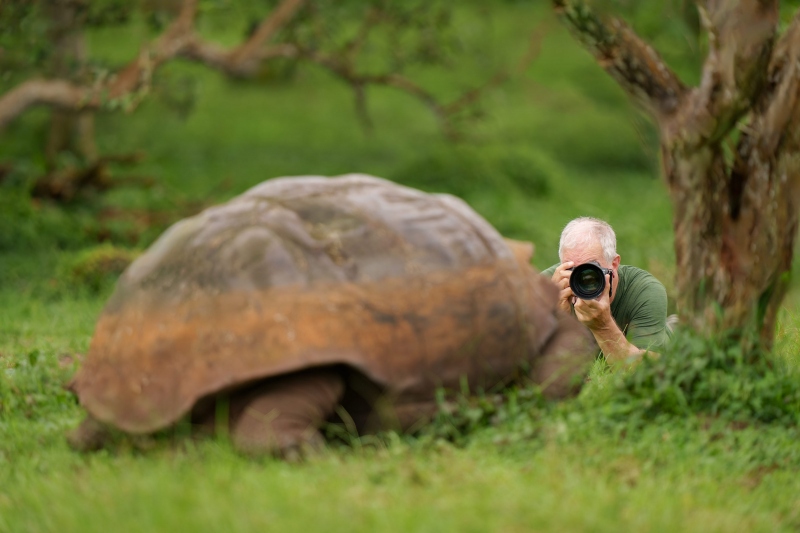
(245, 57)
(224, 60)
(634, 64)
(139, 72)
(180, 40)
(132, 82)
(741, 35)
(56, 93)
(343, 66)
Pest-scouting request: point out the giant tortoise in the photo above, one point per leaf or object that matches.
(307, 298)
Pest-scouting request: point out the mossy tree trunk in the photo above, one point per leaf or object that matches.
(730, 155)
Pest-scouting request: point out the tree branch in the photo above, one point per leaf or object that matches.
(56, 93)
(344, 67)
(132, 82)
(139, 72)
(246, 58)
(771, 136)
(779, 106)
(740, 35)
(180, 40)
(634, 64)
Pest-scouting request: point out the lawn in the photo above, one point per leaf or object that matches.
(578, 149)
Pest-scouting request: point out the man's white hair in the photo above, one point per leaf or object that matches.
(586, 231)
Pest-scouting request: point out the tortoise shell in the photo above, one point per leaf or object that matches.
(414, 290)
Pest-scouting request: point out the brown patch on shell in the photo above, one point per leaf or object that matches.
(148, 365)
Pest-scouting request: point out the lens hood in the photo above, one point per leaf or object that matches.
(587, 281)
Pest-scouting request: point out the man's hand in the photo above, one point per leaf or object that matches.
(595, 314)
(561, 279)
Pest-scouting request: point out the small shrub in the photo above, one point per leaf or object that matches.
(712, 377)
(96, 267)
(32, 384)
(695, 382)
(26, 224)
(512, 414)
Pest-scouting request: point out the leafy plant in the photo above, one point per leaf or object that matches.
(707, 376)
(96, 267)
(513, 414)
(27, 224)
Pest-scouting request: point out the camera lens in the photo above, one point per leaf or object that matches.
(587, 281)
(590, 281)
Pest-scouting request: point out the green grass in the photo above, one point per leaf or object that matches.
(558, 487)
(548, 468)
(567, 473)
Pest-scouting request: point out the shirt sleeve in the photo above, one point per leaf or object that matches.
(550, 271)
(647, 328)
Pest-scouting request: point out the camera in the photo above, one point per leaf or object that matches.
(588, 280)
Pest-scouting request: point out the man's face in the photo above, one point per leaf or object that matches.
(587, 254)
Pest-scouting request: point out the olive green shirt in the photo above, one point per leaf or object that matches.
(639, 308)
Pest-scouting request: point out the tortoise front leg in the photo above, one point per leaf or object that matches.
(282, 415)
(565, 359)
(89, 436)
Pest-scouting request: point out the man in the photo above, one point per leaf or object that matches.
(630, 322)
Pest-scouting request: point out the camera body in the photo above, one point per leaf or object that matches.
(588, 280)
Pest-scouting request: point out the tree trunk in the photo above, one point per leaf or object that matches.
(734, 240)
(70, 131)
(730, 153)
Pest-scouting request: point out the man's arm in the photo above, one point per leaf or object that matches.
(596, 315)
(646, 326)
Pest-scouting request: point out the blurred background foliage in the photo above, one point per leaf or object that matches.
(558, 139)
